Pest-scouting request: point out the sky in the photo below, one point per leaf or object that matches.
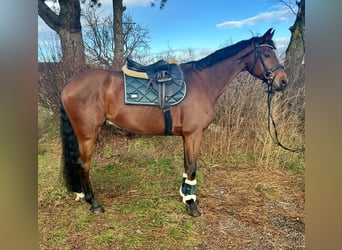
(201, 24)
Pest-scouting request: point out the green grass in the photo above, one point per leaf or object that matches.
(59, 236)
(47, 124)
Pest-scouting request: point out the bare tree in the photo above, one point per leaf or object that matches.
(296, 49)
(99, 37)
(66, 23)
(52, 73)
(118, 10)
(136, 37)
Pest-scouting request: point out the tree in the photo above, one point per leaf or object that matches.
(294, 54)
(294, 64)
(296, 48)
(118, 10)
(68, 27)
(98, 36)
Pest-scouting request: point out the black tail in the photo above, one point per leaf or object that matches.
(70, 155)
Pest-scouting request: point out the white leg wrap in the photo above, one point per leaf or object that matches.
(79, 196)
(187, 197)
(192, 183)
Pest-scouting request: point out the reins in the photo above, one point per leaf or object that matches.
(270, 119)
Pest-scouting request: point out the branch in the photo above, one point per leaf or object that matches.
(48, 16)
(287, 4)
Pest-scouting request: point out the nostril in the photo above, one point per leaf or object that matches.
(283, 82)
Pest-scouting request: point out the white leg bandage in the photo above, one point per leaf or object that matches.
(79, 196)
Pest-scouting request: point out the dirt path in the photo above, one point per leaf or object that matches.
(249, 208)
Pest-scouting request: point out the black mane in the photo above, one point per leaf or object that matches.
(227, 52)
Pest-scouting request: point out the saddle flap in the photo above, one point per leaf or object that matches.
(173, 80)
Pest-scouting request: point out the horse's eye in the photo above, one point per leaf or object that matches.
(267, 54)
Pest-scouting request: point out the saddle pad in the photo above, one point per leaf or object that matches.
(137, 94)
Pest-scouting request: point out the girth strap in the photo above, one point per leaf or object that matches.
(167, 121)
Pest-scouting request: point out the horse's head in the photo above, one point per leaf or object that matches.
(265, 64)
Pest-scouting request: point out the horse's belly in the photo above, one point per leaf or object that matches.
(139, 121)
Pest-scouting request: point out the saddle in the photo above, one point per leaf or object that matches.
(165, 78)
(149, 69)
(159, 84)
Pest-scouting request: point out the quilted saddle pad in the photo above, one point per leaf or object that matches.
(137, 94)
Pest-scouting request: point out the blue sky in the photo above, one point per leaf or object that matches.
(204, 25)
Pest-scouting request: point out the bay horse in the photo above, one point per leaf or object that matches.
(94, 97)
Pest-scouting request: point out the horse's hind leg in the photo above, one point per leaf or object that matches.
(86, 147)
(187, 191)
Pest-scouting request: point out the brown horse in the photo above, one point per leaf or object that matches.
(91, 98)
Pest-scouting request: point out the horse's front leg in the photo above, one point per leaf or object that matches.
(187, 191)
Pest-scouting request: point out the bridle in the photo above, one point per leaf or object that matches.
(269, 82)
(268, 72)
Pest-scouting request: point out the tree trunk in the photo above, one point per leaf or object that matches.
(296, 49)
(72, 48)
(67, 24)
(118, 10)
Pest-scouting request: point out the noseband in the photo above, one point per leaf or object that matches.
(268, 72)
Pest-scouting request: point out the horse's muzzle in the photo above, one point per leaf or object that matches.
(279, 84)
(282, 85)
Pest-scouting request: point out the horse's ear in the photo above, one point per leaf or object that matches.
(268, 35)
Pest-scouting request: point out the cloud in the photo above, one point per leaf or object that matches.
(135, 3)
(277, 15)
(282, 43)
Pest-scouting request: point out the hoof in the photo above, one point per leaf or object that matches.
(97, 210)
(192, 209)
(194, 213)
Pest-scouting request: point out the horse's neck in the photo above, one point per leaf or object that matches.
(220, 75)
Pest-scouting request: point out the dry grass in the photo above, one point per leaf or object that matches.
(239, 132)
(250, 208)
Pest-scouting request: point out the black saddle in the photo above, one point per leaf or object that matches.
(157, 66)
(163, 76)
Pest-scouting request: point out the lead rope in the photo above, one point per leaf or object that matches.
(270, 119)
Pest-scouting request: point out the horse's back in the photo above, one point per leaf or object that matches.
(89, 84)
